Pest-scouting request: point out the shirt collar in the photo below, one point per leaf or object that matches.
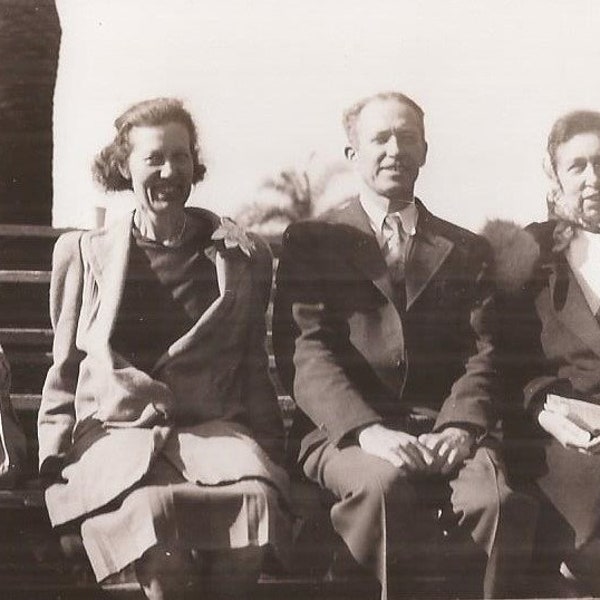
(582, 243)
(377, 206)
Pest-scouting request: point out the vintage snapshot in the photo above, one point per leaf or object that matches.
(299, 300)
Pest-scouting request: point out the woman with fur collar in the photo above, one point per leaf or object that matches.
(549, 338)
(160, 435)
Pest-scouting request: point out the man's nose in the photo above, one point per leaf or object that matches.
(592, 174)
(392, 147)
(166, 169)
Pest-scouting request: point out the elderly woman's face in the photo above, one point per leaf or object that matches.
(578, 172)
(160, 167)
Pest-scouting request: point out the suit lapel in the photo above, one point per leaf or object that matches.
(571, 306)
(109, 257)
(365, 253)
(427, 252)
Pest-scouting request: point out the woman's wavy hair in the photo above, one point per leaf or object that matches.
(569, 125)
(561, 209)
(149, 113)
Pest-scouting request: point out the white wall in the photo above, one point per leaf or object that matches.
(267, 81)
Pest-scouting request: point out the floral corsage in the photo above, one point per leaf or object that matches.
(229, 237)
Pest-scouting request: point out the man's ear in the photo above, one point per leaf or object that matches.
(124, 170)
(424, 158)
(350, 153)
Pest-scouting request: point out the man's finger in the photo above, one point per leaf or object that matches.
(409, 460)
(451, 462)
(393, 458)
(443, 448)
(423, 456)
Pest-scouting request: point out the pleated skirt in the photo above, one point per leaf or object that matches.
(166, 508)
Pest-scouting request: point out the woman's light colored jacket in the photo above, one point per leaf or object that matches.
(102, 420)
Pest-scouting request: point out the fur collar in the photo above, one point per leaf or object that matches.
(516, 253)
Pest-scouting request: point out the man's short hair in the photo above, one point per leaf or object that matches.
(352, 113)
(568, 126)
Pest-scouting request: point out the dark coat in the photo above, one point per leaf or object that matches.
(350, 357)
(549, 338)
(548, 341)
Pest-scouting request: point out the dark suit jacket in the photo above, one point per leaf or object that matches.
(549, 338)
(347, 354)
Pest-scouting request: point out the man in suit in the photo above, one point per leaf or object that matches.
(379, 333)
(555, 349)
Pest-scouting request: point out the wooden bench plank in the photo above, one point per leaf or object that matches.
(24, 336)
(16, 276)
(26, 402)
(22, 498)
(31, 402)
(31, 231)
(31, 336)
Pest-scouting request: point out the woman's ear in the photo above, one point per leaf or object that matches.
(350, 153)
(551, 173)
(124, 170)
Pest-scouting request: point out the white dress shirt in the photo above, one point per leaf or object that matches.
(377, 208)
(583, 255)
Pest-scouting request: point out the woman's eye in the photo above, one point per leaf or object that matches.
(154, 160)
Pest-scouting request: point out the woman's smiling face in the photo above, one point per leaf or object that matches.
(160, 167)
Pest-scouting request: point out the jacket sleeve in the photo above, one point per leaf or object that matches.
(56, 417)
(526, 376)
(310, 339)
(472, 398)
(263, 412)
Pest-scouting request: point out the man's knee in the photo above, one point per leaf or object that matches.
(382, 486)
(484, 493)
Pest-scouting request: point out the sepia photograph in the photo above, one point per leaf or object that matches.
(299, 300)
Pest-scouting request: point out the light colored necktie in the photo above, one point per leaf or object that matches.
(395, 245)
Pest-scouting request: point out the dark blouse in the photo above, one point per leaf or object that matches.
(166, 291)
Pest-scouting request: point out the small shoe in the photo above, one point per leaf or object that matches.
(566, 572)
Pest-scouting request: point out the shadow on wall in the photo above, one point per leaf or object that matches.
(297, 193)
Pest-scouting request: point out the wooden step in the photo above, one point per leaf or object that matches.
(24, 336)
(16, 276)
(43, 358)
(22, 498)
(31, 402)
(27, 336)
(26, 402)
(30, 231)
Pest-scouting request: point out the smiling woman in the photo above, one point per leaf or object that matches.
(160, 436)
(155, 155)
